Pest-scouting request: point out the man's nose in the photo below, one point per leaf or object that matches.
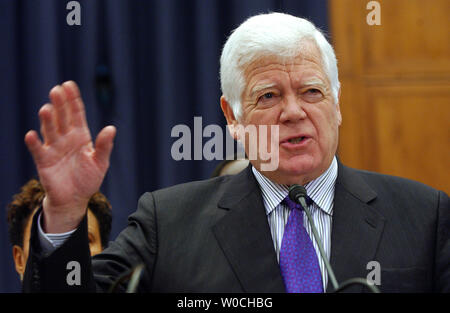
(292, 109)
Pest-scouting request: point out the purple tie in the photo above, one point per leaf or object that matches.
(298, 259)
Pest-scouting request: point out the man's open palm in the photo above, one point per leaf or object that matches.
(71, 168)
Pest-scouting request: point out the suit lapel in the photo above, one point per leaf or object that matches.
(356, 228)
(245, 238)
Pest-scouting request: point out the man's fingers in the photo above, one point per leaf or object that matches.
(104, 144)
(48, 126)
(59, 101)
(76, 106)
(34, 144)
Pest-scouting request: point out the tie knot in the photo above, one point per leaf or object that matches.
(294, 205)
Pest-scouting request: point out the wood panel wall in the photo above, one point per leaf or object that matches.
(395, 87)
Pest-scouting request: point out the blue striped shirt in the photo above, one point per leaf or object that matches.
(321, 192)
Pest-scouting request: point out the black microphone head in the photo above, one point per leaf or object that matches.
(297, 191)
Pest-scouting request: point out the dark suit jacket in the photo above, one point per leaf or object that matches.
(213, 236)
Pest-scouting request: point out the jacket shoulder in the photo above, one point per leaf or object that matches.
(397, 188)
(193, 191)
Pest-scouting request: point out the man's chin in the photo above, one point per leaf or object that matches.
(297, 172)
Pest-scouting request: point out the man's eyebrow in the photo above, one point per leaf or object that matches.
(260, 87)
(314, 82)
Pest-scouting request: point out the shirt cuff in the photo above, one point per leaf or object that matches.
(50, 242)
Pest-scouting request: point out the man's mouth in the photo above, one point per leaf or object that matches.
(296, 140)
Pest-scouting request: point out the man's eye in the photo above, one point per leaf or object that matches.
(313, 95)
(266, 96)
(313, 91)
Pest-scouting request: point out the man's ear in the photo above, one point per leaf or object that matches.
(229, 116)
(338, 108)
(19, 260)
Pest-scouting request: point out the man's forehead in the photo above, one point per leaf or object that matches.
(287, 64)
(312, 73)
(308, 51)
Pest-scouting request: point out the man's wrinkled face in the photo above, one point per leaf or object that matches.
(295, 95)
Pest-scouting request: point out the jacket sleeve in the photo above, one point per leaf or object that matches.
(442, 267)
(134, 246)
(67, 269)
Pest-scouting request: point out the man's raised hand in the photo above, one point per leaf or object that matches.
(70, 167)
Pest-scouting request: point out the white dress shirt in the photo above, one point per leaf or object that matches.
(321, 192)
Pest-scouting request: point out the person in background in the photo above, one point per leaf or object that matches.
(20, 215)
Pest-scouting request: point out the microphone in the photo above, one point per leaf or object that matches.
(298, 194)
(133, 276)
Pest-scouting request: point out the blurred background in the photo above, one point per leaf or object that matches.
(147, 66)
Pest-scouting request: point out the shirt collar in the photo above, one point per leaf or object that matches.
(320, 190)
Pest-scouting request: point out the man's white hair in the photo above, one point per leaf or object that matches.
(273, 34)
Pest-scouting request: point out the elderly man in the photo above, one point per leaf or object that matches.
(242, 233)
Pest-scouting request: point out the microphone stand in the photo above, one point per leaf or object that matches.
(133, 275)
(300, 198)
